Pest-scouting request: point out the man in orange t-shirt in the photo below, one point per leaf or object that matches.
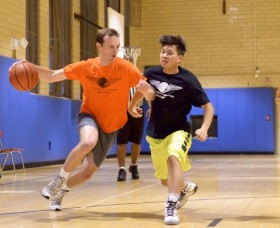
(106, 81)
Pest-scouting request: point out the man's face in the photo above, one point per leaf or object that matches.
(109, 49)
(169, 58)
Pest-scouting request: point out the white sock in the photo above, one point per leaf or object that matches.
(122, 167)
(65, 187)
(64, 174)
(186, 184)
(173, 197)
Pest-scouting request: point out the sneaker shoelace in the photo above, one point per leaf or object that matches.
(171, 208)
(57, 200)
(56, 184)
(182, 195)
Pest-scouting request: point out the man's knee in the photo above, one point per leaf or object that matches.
(87, 145)
(88, 171)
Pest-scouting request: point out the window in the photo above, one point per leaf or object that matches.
(88, 32)
(114, 4)
(196, 123)
(32, 34)
(60, 43)
(133, 13)
(89, 12)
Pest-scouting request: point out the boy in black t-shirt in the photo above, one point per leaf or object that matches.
(168, 132)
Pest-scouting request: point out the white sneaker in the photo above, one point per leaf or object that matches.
(171, 216)
(56, 203)
(189, 189)
(53, 187)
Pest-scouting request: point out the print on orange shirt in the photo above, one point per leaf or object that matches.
(105, 89)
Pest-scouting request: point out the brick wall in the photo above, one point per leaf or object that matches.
(12, 17)
(223, 49)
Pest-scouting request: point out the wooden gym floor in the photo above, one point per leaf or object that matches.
(234, 191)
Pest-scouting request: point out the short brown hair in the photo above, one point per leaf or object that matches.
(106, 32)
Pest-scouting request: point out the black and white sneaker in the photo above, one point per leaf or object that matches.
(189, 189)
(56, 202)
(53, 187)
(171, 216)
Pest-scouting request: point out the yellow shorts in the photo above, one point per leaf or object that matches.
(176, 144)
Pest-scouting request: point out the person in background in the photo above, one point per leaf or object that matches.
(132, 132)
(168, 132)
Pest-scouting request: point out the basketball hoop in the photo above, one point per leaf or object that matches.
(134, 52)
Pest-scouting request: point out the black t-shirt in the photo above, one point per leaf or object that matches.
(175, 96)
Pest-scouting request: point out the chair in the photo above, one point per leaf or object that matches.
(8, 152)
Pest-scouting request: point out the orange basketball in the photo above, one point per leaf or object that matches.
(23, 76)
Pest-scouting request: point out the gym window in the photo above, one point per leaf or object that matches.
(197, 121)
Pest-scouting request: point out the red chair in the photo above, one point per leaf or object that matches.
(8, 152)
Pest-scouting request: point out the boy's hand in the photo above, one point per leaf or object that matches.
(142, 86)
(201, 134)
(136, 112)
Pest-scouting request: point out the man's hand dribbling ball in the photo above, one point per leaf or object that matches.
(23, 76)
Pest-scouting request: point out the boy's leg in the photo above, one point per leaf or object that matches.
(175, 183)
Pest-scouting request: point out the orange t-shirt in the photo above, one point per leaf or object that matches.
(105, 89)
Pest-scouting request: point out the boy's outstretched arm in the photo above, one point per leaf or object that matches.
(147, 90)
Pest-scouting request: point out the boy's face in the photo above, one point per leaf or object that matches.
(109, 49)
(169, 58)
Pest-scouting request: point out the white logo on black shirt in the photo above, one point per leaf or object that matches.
(164, 88)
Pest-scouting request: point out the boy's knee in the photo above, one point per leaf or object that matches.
(164, 182)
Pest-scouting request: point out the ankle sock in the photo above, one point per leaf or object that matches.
(64, 174)
(65, 188)
(173, 197)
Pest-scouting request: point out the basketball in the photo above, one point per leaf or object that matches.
(23, 76)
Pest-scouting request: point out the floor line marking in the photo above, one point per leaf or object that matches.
(100, 201)
(215, 222)
(16, 192)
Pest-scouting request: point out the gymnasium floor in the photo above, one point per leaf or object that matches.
(234, 191)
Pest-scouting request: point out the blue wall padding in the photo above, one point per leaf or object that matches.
(46, 127)
(242, 121)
